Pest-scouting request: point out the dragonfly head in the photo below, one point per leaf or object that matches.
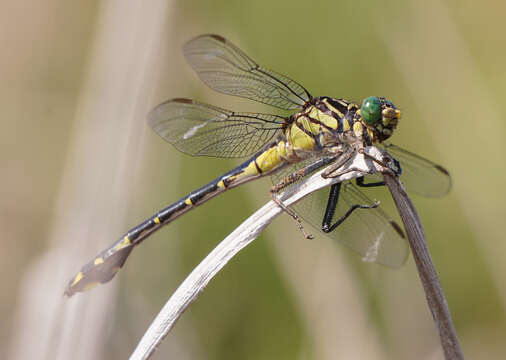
(380, 116)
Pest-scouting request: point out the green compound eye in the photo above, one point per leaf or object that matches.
(371, 110)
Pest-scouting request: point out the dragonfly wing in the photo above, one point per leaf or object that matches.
(419, 175)
(369, 232)
(225, 68)
(204, 130)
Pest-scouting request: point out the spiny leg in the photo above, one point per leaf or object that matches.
(292, 214)
(330, 171)
(360, 180)
(335, 191)
(327, 225)
(292, 178)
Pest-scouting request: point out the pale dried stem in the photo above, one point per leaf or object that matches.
(195, 283)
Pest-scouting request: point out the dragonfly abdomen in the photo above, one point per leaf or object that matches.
(106, 264)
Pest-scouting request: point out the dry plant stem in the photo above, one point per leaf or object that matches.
(195, 283)
(426, 270)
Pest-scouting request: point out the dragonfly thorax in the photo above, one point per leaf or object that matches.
(326, 122)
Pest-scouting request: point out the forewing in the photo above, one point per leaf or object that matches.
(419, 175)
(369, 232)
(225, 68)
(204, 130)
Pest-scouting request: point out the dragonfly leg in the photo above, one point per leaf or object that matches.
(292, 214)
(327, 225)
(330, 172)
(291, 179)
(299, 174)
(385, 162)
(287, 181)
(360, 182)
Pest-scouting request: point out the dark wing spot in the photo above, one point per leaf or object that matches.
(442, 169)
(398, 229)
(218, 37)
(182, 100)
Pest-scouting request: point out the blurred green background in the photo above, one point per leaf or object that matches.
(80, 167)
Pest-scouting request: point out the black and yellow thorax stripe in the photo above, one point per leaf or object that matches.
(326, 122)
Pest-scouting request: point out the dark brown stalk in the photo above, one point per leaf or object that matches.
(426, 270)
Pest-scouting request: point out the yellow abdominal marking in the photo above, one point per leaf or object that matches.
(249, 170)
(266, 161)
(188, 201)
(123, 243)
(221, 184)
(98, 261)
(78, 278)
(233, 178)
(269, 159)
(157, 220)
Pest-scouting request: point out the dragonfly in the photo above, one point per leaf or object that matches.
(321, 133)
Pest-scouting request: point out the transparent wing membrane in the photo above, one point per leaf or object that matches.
(225, 68)
(369, 232)
(419, 175)
(204, 130)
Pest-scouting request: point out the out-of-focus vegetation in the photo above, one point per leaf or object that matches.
(441, 62)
